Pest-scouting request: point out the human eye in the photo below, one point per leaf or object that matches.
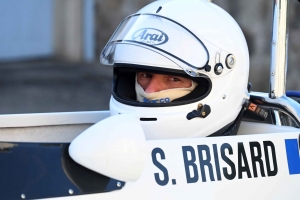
(147, 75)
(179, 82)
(144, 75)
(175, 79)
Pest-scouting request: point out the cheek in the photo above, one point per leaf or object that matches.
(187, 84)
(180, 84)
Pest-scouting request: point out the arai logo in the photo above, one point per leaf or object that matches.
(150, 36)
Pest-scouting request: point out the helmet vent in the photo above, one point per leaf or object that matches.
(148, 119)
(158, 9)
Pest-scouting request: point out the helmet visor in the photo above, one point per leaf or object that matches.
(161, 35)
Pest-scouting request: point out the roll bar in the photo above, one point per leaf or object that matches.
(279, 49)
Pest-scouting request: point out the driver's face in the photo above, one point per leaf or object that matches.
(151, 82)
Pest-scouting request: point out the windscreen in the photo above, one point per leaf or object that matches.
(161, 35)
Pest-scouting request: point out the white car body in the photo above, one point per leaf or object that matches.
(172, 169)
(261, 162)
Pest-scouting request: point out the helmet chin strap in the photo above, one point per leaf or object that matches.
(232, 128)
(164, 96)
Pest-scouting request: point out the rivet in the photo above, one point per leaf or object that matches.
(224, 96)
(274, 42)
(23, 196)
(230, 61)
(119, 184)
(200, 105)
(71, 191)
(273, 73)
(203, 114)
(220, 69)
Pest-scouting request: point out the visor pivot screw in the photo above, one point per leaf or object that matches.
(230, 61)
(207, 68)
(71, 191)
(272, 73)
(218, 69)
(224, 96)
(23, 196)
(119, 184)
(200, 105)
(203, 114)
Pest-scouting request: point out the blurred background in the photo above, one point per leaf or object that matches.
(49, 50)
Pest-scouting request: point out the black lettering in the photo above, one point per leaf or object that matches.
(228, 161)
(160, 37)
(256, 159)
(205, 162)
(141, 35)
(242, 156)
(147, 35)
(154, 37)
(164, 170)
(275, 170)
(190, 163)
(217, 163)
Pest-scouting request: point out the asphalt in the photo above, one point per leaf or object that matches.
(54, 86)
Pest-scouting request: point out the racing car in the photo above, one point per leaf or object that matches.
(97, 155)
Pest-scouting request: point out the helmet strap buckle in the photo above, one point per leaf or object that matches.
(202, 111)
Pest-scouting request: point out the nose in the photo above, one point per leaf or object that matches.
(155, 85)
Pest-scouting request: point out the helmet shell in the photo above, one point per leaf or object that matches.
(215, 27)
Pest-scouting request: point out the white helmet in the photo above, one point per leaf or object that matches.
(194, 38)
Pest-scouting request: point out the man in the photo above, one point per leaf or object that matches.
(161, 88)
(181, 67)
